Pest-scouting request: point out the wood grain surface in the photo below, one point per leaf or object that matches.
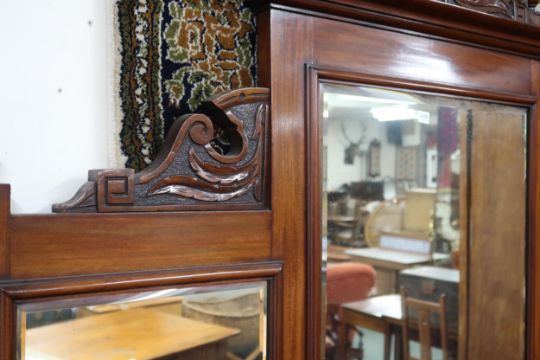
(497, 237)
(76, 244)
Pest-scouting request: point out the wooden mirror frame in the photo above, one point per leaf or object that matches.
(319, 75)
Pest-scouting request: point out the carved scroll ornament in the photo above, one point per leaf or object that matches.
(216, 159)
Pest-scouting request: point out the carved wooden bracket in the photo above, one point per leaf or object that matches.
(213, 160)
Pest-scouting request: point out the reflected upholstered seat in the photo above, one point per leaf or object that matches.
(345, 282)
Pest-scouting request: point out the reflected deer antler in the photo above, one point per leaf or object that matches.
(353, 149)
(360, 140)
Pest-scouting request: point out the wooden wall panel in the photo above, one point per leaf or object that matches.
(365, 49)
(59, 245)
(497, 237)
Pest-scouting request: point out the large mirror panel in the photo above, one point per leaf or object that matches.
(197, 323)
(423, 224)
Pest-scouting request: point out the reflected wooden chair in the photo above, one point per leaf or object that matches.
(348, 229)
(425, 327)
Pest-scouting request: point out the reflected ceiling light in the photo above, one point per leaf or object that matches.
(391, 113)
(400, 112)
(358, 98)
(325, 114)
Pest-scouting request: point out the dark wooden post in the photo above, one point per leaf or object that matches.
(4, 216)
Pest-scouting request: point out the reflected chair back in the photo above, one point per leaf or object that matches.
(425, 327)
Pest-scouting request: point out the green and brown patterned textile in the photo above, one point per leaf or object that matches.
(175, 55)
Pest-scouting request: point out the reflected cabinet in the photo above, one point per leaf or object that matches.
(377, 200)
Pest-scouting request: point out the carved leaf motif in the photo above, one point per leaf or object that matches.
(193, 193)
(215, 174)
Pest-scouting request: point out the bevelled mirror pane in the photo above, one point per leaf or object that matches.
(423, 223)
(209, 322)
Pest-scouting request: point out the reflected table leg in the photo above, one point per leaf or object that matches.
(365, 321)
(387, 341)
(398, 346)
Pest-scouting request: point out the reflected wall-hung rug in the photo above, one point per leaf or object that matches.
(173, 56)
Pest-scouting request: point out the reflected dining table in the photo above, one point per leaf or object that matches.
(140, 334)
(381, 314)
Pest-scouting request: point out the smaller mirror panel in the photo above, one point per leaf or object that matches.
(210, 322)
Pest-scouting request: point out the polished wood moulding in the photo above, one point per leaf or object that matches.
(447, 22)
(91, 284)
(40, 292)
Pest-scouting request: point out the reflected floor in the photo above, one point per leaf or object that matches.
(374, 342)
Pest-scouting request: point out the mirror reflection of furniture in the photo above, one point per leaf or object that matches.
(412, 215)
(399, 233)
(380, 313)
(423, 311)
(386, 216)
(345, 282)
(388, 263)
(135, 334)
(349, 210)
(239, 309)
(383, 314)
(396, 251)
(337, 254)
(419, 212)
(171, 305)
(346, 217)
(429, 283)
(346, 230)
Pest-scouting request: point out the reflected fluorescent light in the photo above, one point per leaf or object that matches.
(325, 114)
(391, 113)
(348, 97)
(400, 112)
(422, 117)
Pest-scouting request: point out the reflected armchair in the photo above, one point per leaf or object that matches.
(345, 282)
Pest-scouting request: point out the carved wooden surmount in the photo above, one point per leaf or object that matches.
(212, 160)
(511, 9)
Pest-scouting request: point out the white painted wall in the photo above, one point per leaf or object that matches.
(53, 98)
(340, 173)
